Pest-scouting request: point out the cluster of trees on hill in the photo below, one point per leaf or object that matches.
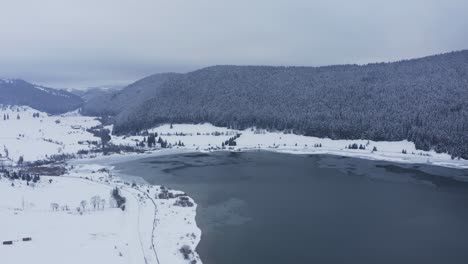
(231, 141)
(20, 175)
(150, 141)
(422, 100)
(355, 146)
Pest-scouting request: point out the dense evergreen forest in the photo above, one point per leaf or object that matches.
(423, 100)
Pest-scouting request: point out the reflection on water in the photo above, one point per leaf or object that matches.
(226, 213)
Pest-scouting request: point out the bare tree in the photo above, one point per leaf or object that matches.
(54, 206)
(112, 203)
(102, 203)
(95, 201)
(83, 204)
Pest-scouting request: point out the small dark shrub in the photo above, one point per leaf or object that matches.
(186, 251)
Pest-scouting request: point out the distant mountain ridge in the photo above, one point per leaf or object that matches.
(132, 96)
(53, 101)
(423, 100)
(95, 92)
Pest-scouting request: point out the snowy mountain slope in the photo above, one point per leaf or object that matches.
(53, 101)
(35, 138)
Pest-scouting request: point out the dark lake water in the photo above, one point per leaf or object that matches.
(262, 207)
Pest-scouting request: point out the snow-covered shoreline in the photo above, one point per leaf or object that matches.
(154, 227)
(167, 227)
(33, 135)
(208, 138)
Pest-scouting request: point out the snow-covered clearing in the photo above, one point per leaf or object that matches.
(35, 138)
(103, 235)
(63, 236)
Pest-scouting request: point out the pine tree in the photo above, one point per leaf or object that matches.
(151, 140)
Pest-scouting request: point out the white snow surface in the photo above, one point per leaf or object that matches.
(51, 91)
(37, 138)
(106, 235)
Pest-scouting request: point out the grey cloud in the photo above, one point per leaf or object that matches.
(86, 43)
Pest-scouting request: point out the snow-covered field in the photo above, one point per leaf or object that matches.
(88, 235)
(35, 138)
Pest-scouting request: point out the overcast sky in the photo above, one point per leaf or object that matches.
(81, 43)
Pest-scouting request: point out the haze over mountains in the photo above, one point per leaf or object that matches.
(130, 97)
(423, 100)
(94, 92)
(53, 101)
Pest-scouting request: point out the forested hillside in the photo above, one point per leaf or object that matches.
(422, 100)
(52, 101)
(135, 94)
